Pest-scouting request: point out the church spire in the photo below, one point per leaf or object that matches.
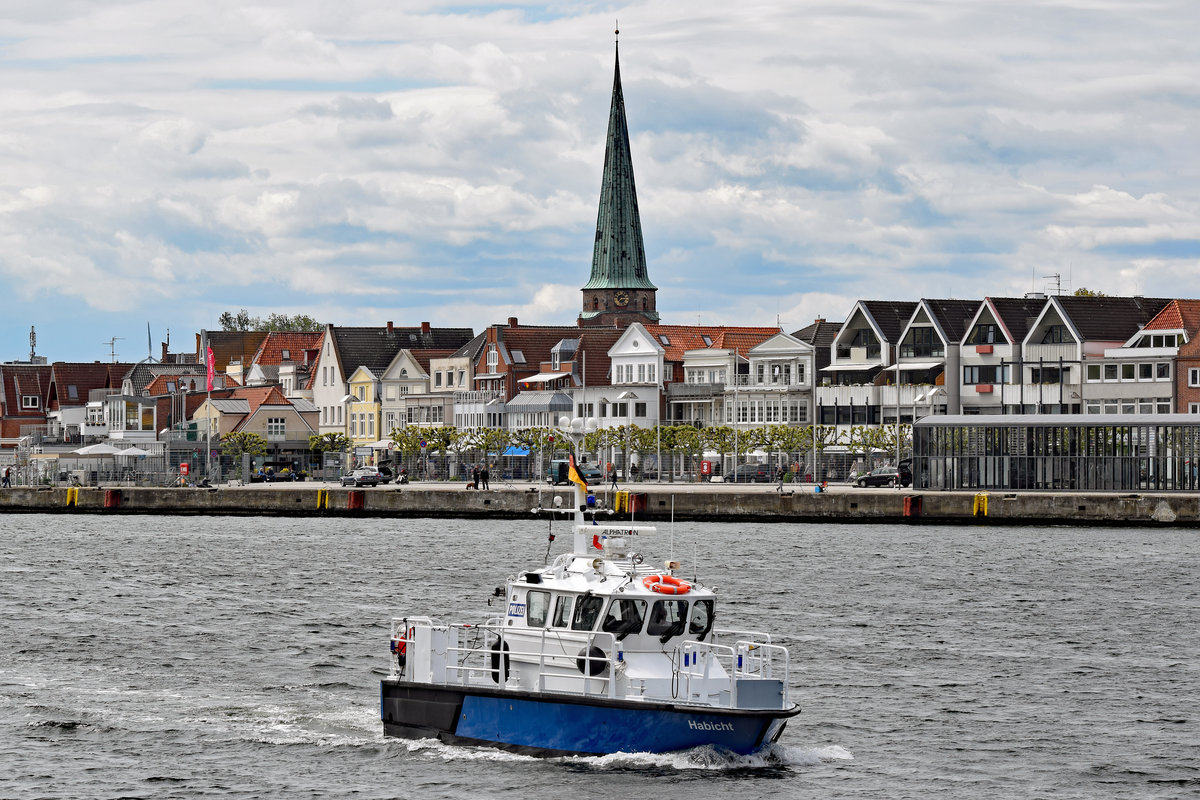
(619, 282)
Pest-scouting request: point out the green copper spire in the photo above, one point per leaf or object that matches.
(619, 257)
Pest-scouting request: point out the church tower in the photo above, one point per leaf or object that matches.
(619, 291)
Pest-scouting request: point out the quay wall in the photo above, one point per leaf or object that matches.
(659, 503)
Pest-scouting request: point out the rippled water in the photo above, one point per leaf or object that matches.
(171, 657)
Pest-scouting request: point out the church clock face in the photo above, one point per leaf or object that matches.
(621, 299)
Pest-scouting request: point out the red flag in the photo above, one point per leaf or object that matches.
(211, 368)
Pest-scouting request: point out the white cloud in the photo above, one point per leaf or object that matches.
(446, 159)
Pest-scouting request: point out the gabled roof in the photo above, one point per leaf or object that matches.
(270, 352)
(83, 376)
(228, 346)
(953, 316)
(1016, 314)
(141, 374)
(681, 338)
(21, 380)
(1177, 315)
(374, 348)
(890, 315)
(820, 334)
(1112, 319)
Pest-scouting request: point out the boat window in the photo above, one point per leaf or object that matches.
(587, 611)
(667, 619)
(624, 617)
(562, 611)
(537, 608)
(702, 619)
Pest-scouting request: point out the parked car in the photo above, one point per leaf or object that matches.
(385, 474)
(749, 473)
(363, 476)
(558, 473)
(886, 476)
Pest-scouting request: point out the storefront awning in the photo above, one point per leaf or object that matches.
(914, 366)
(849, 367)
(543, 377)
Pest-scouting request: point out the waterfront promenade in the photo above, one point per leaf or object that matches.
(650, 501)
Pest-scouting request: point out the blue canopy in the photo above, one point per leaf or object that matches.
(516, 451)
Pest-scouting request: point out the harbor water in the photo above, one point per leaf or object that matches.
(186, 657)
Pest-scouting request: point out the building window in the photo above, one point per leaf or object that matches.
(286, 355)
(275, 429)
(493, 358)
(1050, 375)
(1194, 408)
(985, 374)
(1128, 372)
(29, 401)
(437, 379)
(1162, 370)
(985, 333)
(1093, 373)
(639, 409)
(449, 377)
(1057, 334)
(1193, 376)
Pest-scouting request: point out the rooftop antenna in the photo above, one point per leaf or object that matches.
(149, 344)
(1057, 282)
(112, 347)
(32, 344)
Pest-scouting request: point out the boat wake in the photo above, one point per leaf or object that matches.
(709, 759)
(713, 759)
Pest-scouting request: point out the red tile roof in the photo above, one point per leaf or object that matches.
(681, 338)
(270, 352)
(1177, 315)
(195, 383)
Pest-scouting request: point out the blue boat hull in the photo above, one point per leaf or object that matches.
(547, 724)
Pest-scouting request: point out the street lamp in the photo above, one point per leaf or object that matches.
(627, 396)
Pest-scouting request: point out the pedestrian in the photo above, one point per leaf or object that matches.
(475, 475)
(779, 477)
(7, 478)
(612, 471)
(483, 476)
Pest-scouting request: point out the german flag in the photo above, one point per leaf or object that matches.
(573, 474)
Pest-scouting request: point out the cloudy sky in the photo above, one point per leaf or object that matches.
(372, 160)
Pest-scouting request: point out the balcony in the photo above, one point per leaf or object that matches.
(694, 391)
(859, 395)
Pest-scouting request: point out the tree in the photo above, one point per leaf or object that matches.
(239, 442)
(328, 443)
(242, 321)
(1083, 291)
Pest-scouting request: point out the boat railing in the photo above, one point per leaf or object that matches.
(745, 660)
(473, 654)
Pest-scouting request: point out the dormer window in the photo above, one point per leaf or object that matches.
(29, 401)
(286, 355)
(707, 340)
(1057, 334)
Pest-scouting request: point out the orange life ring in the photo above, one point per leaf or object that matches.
(666, 584)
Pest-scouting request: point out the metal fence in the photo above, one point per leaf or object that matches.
(1153, 452)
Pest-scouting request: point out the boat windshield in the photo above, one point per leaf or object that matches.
(624, 617)
(667, 618)
(562, 611)
(537, 608)
(587, 611)
(702, 619)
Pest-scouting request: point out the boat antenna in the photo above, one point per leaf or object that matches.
(549, 539)
(672, 538)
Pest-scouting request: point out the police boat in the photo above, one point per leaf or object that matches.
(597, 653)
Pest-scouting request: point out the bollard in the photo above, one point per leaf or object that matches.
(980, 504)
(322, 499)
(72, 497)
(112, 498)
(912, 505)
(354, 499)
